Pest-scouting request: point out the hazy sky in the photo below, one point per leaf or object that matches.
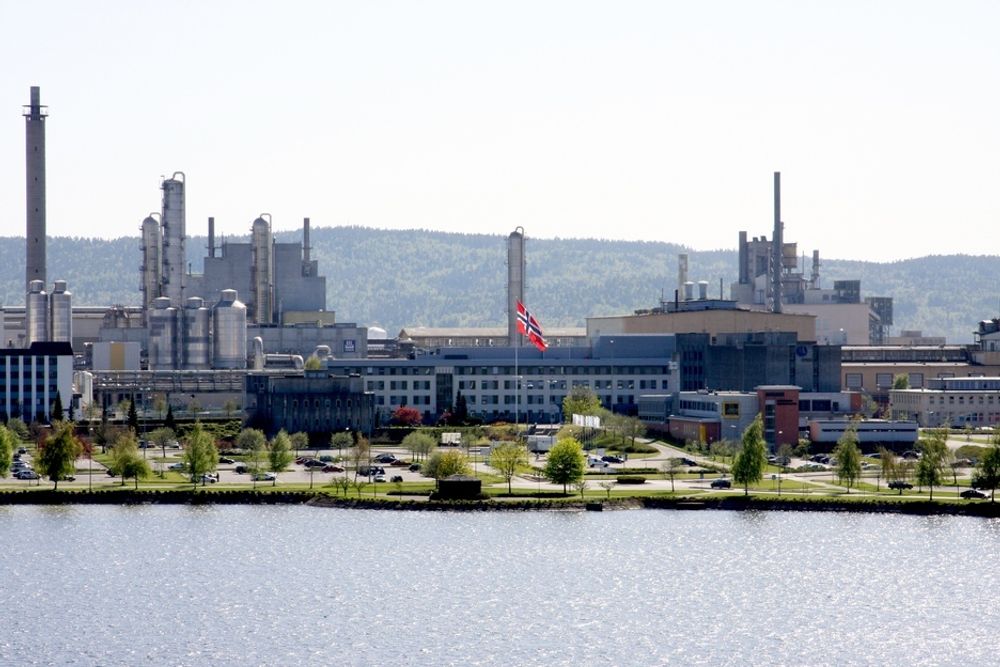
(628, 120)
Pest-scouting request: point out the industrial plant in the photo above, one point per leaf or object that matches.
(253, 330)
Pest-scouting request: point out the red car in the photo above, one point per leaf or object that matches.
(332, 468)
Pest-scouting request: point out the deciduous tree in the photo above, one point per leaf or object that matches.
(279, 456)
(580, 401)
(341, 440)
(442, 464)
(750, 461)
(848, 456)
(506, 459)
(162, 437)
(57, 459)
(6, 450)
(404, 415)
(566, 463)
(419, 444)
(126, 460)
(987, 475)
(200, 455)
(670, 469)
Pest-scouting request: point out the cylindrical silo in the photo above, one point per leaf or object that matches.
(702, 289)
(61, 313)
(162, 335)
(36, 312)
(262, 271)
(173, 221)
(152, 258)
(197, 343)
(688, 291)
(229, 332)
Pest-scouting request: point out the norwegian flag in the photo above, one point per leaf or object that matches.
(528, 326)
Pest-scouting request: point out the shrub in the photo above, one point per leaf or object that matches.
(631, 479)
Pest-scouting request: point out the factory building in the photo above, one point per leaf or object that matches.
(314, 402)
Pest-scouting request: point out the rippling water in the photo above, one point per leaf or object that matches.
(179, 585)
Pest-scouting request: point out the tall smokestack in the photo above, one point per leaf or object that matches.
(305, 240)
(515, 282)
(815, 271)
(776, 250)
(682, 270)
(211, 237)
(34, 133)
(173, 222)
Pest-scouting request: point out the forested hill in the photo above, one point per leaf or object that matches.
(413, 277)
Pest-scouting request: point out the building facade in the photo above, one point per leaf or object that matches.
(314, 402)
(30, 380)
(957, 401)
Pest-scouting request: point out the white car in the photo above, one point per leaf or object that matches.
(176, 466)
(27, 474)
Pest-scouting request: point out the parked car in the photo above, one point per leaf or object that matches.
(332, 468)
(910, 454)
(399, 464)
(326, 458)
(612, 459)
(396, 478)
(414, 467)
(22, 450)
(240, 468)
(226, 459)
(313, 463)
(265, 477)
(385, 458)
(721, 484)
(899, 484)
(379, 479)
(972, 493)
(27, 474)
(210, 478)
(176, 466)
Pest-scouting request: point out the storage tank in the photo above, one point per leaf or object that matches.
(258, 353)
(162, 335)
(262, 271)
(36, 312)
(152, 258)
(515, 282)
(702, 289)
(61, 313)
(174, 276)
(229, 332)
(197, 343)
(688, 290)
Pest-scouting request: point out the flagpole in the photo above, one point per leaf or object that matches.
(517, 391)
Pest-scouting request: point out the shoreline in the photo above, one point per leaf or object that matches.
(319, 499)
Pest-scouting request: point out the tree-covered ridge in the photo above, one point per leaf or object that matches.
(397, 278)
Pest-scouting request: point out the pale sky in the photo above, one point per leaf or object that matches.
(651, 120)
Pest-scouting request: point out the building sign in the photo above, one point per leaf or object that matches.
(349, 345)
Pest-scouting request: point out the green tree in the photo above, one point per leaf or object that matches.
(19, 429)
(566, 462)
(200, 455)
(987, 475)
(341, 440)
(419, 444)
(252, 442)
(930, 467)
(169, 420)
(280, 454)
(890, 465)
(299, 440)
(580, 401)
(848, 456)
(133, 417)
(750, 461)
(785, 453)
(506, 459)
(56, 413)
(446, 463)
(126, 460)
(58, 456)
(901, 381)
(6, 450)
(359, 454)
(313, 363)
(670, 469)
(230, 407)
(162, 437)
